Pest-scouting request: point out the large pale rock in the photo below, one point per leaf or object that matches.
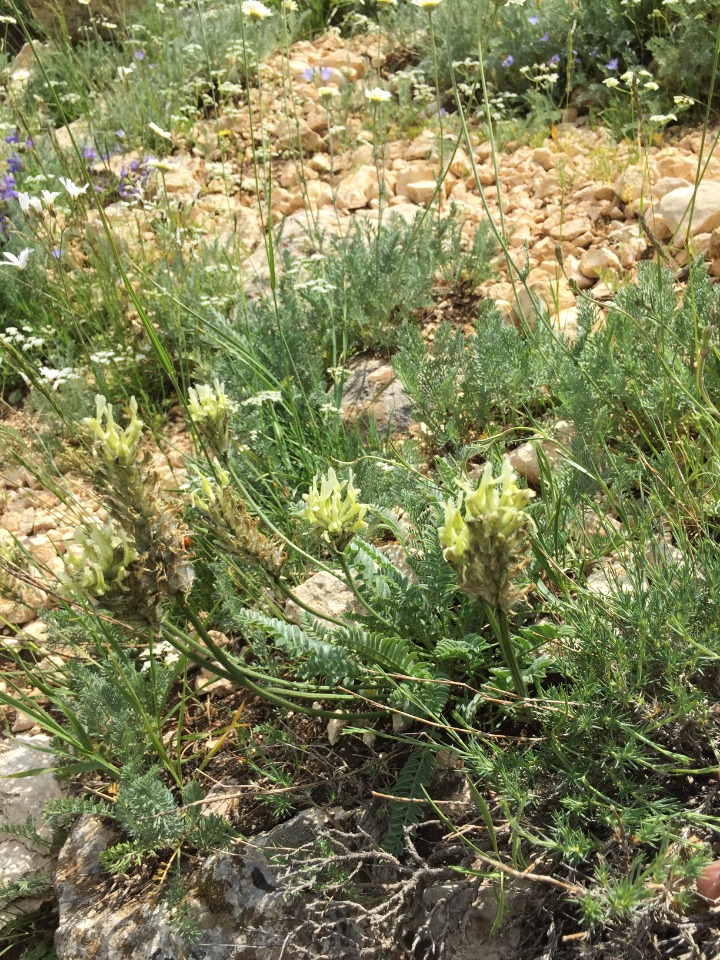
(525, 459)
(22, 798)
(545, 157)
(77, 130)
(372, 392)
(597, 260)
(325, 594)
(422, 191)
(632, 183)
(572, 229)
(678, 167)
(673, 209)
(294, 133)
(358, 189)
(264, 900)
(665, 185)
(416, 173)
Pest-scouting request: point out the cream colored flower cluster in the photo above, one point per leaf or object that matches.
(114, 444)
(103, 552)
(485, 536)
(210, 408)
(333, 508)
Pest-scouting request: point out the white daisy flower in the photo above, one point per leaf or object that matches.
(378, 95)
(255, 10)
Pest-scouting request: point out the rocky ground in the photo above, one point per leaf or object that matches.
(571, 207)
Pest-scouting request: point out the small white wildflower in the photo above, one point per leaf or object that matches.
(265, 396)
(327, 93)
(378, 95)
(682, 101)
(124, 72)
(428, 5)
(290, 6)
(6, 19)
(255, 10)
(19, 262)
(72, 188)
(661, 118)
(49, 198)
(28, 203)
(651, 85)
(612, 82)
(165, 134)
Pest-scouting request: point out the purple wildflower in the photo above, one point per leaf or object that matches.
(139, 54)
(545, 37)
(56, 252)
(29, 143)
(7, 187)
(534, 20)
(13, 137)
(508, 61)
(612, 64)
(14, 163)
(120, 134)
(554, 60)
(307, 74)
(89, 153)
(326, 73)
(443, 112)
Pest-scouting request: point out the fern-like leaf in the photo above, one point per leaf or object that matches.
(410, 785)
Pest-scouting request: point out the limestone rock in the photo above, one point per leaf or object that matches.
(324, 593)
(422, 191)
(673, 209)
(525, 460)
(79, 130)
(254, 903)
(358, 189)
(597, 260)
(289, 134)
(545, 157)
(22, 798)
(572, 229)
(610, 578)
(372, 391)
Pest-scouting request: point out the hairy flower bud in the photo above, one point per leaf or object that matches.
(210, 408)
(230, 521)
(487, 545)
(113, 444)
(338, 515)
(100, 564)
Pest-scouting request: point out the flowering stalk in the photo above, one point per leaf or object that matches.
(486, 536)
(210, 409)
(334, 510)
(131, 491)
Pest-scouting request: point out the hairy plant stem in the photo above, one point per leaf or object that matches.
(351, 583)
(243, 677)
(441, 151)
(499, 622)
